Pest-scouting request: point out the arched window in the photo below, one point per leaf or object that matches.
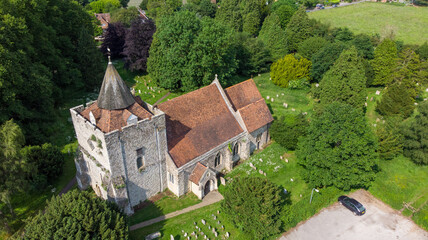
(217, 160)
(236, 149)
(258, 139)
(140, 159)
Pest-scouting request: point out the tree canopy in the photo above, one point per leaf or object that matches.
(187, 52)
(311, 46)
(339, 149)
(254, 206)
(288, 69)
(345, 82)
(273, 36)
(416, 137)
(384, 62)
(287, 130)
(324, 59)
(299, 28)
(137, 44)
(78, 215)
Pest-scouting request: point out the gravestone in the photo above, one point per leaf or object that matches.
(286, 160)
(171, 237)
(377, 92)
(260, 171)
(261, 160)
(267, 97)
(293, 109)
(203, 221)
(291, 179)
(272, 99)
(227, 234)
(153, 236)
(223, 181)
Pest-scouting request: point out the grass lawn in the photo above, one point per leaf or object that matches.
(299, 100)
(400, 181)
(167, 204)
(371, 18)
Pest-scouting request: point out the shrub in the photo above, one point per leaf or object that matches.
(286, 132)
(104, 6)
(416, 137)
(423, 51)
(77, 215)
(299, 83)
(324, 59)
(389, 138)
(396, 101)
(384, 62)
(289, 68)
(311, 46)
(254, 206)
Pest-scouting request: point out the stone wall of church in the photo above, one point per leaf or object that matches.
(147, 140)
(262, 134)
(92, 163)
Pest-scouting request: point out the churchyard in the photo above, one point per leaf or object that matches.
(379, 18)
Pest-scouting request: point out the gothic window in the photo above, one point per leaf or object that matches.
(171, 178)
(217, 160)
(259, 137)
(235, 149)
(140, 159)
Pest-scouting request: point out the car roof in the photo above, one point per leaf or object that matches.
(355, 202)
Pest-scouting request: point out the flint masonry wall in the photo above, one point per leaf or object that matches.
(150, 136)
(92, 145)
(264, 137)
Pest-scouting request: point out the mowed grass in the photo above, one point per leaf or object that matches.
(167, 204)
(408, 23)
(298, 100)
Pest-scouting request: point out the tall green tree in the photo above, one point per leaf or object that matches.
(339, 149)
(409, 72)
(384, 62)
(422, 51)
(159, 8)
(273, 36)
(345, 82)
(254, 206)
(311, 46)
(125, 15)
(416, 137)
(187, 52)
(364, 45)
(299, 28)
(396, 101)
(324, 59)
(78, 215)
(13, 170)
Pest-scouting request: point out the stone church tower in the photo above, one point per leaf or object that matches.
(122, 145)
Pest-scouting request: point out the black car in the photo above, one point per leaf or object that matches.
(353, 205)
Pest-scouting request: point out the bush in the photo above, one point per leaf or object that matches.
(423, 51)
(125, 15)
(77, 215)
(104, 6)
(396, 101)
(254, 206)
(384, 62)
(299, 83)
(389, 138)
(287, 130)
(289, 68)
(47, 159)
(416, 137)
(324, 59)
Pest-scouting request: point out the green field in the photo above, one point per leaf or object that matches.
(408, 23)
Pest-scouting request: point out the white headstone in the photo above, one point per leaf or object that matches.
(280, 157)
(203, 221)
(223, 181)
(317, 85)
(365, 104)
(293, 109)
(277, 95)
(171, 237)
(271, 99)
(291, 179)
(377, 92)
(267, 97)
(286, 160)
(260, 171)
(416, 103)
(227, 234)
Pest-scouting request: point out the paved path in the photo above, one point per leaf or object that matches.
(212, 197)
(342, 4)
(68, 186)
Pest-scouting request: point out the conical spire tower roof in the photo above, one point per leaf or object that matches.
(114, 93)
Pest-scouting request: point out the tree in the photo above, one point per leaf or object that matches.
(13, 169)
(114, 39)
(104, 6)
(284, 9)
(187, 52)
(384, 62)
(78, 215)
(125, 15)
(254, 206)
(137, 44)
(416, 137)
(159, 8)
(422, 51)
(389, 138)
(273, 37)
(286, 131)
(46, 159)
(324, 59)
(289, 68)
(396, 101)
(229, 14)
(409, 72)
(339, 149)
(203, 8)
(345, 82)
(311, 46)
(251, 54)
(343, 34)
(364, 45)
(299, 28)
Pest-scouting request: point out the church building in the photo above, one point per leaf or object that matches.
(130, 150)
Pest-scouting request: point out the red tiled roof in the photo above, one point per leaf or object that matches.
(197, 173)
(104, 19)
(256, 115)
(243, 94)
(196, 123)
(110, 120)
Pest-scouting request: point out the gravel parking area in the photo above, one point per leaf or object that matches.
(380, 222)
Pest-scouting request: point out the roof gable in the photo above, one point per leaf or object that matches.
(243, 94)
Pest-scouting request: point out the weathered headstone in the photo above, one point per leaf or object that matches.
(365, 104)
(153, 236)
(285, 191)
(317, 85)
(272, 99)
(377, 92)
(291, 179)
(203, 221)
(264, 174)
(261, 160)
(260, 171)
(223, 181)
(286, 160)
(280, 157)
(227, 234)
(171, 237)
(267, 97)
(293, 109)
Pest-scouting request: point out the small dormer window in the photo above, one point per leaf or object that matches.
(132, 119)
(92, 118)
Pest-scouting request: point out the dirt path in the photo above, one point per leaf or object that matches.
(68, 186)
(212, 197)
